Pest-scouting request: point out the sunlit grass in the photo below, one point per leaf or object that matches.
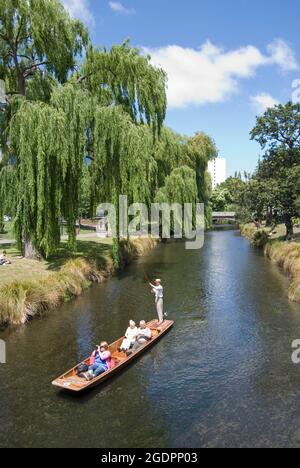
(284, 254)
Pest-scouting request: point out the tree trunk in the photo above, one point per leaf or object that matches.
(289, 228)
(30, 252)
(2, 225)
(21, 84)
(269, 220)
(79, 227)
(257, 223)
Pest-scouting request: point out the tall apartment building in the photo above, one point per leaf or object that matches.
(217, 170)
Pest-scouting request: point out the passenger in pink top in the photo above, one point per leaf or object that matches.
(100, 362)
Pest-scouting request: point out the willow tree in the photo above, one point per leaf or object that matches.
(123, 77)
(122, 156)
(38, 139)
(39, 45)
(168, 154)
(180, 187)
(78, 108)
(128, 118)
(37, 35)
(7, 193)
(200, 149)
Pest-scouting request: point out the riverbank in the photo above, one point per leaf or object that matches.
(29, 288)
(284, 254)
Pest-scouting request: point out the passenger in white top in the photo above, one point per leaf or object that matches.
(158, 290)
(130, 336)
(144, 335)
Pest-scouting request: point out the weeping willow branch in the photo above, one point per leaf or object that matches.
(38, 140)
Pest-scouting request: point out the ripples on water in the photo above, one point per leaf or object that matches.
(222, 377)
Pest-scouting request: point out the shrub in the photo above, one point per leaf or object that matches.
(260, 238)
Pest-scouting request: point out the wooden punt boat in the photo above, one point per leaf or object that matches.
(72, 382)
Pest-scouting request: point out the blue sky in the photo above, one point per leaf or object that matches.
(227, 60)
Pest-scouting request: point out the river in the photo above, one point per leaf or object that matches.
(223, 377)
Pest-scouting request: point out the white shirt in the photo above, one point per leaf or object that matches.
(145, 332)
(159, 292)
(131, 334)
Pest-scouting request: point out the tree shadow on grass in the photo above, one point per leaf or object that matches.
(296, 239)
(89, 250)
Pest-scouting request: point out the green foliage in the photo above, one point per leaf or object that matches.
(77, 106)
(180, 187)
(39, 141)
(274, 191)
(85, 194)
(234, 185)
(8, 183)
(221, 198)
(169, 153)
(199, 150)
(260, 238)
(37, 35)
(227, 197)
(123, 77)
(279, 127)
(109, 111)
(122, 159)
(255, 198)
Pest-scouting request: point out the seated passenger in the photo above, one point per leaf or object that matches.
(144, 335)
(4, 260)
(130, 337)
(100, 362)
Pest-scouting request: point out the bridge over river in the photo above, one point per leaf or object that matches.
(223, 215)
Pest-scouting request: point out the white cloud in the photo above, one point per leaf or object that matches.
(263, 101)
(283, 55)
(80, 9)
(210, 74)
(118, 7)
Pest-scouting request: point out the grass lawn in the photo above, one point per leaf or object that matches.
(8, 234)
(280, 233)
(22, 269)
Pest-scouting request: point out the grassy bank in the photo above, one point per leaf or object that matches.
(284, 254)
(29, 288)
(258, 237)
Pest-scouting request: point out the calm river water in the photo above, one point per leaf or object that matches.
(222, 377)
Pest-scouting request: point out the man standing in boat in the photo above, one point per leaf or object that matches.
(158, 290)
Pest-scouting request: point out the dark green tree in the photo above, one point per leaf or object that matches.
(278, 131)
(37, 39)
